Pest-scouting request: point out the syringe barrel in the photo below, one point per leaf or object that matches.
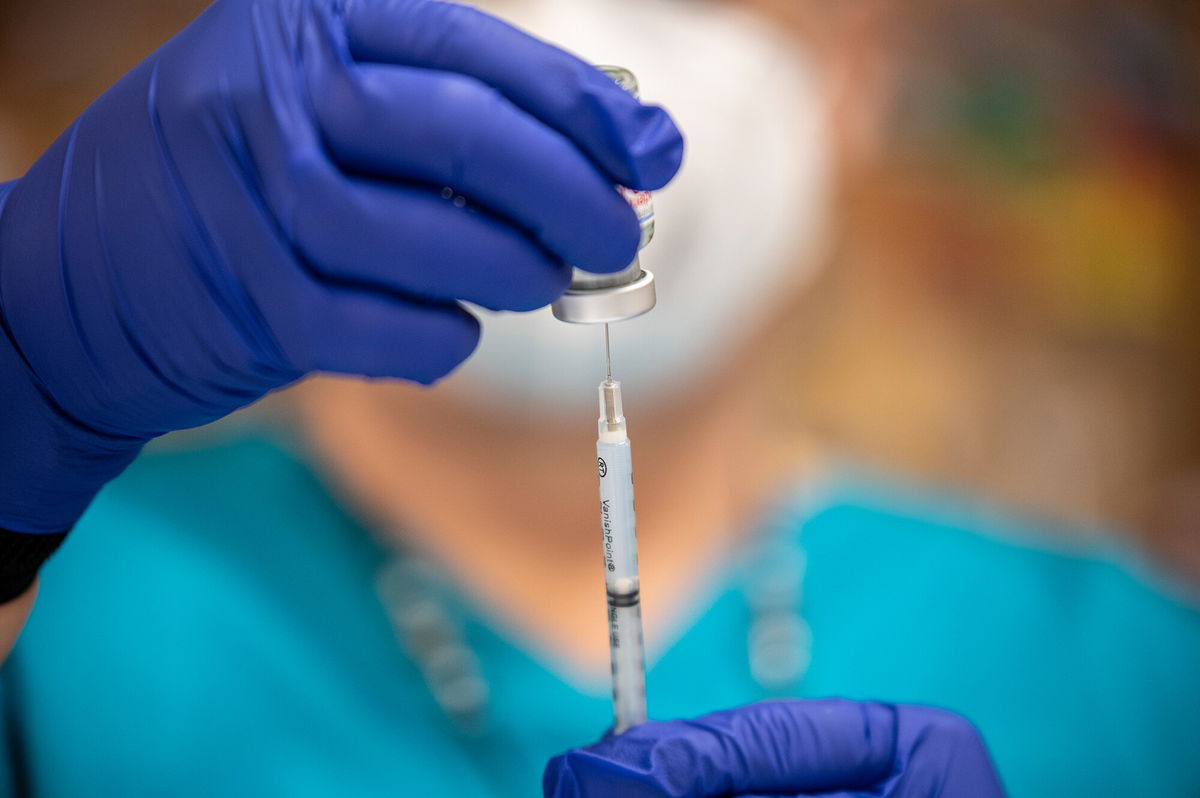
(628, 665)
(621, 581)
(617, 522)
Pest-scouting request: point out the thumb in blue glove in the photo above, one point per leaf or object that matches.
(832, 747)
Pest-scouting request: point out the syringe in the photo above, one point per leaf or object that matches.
(621, 580)
(601, 299)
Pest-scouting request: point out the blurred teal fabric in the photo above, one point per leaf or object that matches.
(212, 628)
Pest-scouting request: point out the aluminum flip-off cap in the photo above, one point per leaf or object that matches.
(607, 304)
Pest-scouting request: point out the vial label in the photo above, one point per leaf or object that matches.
(643, 205)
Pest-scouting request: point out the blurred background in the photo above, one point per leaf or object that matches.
(1013, 307)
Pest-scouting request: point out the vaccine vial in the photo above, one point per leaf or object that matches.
(604, 298)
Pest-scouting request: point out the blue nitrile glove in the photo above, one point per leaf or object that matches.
(831, 748)
(291, 186)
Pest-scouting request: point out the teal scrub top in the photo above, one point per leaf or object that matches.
(212, 628)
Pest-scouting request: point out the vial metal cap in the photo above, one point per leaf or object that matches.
(605, 305)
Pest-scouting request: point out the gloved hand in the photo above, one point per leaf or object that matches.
(291, 186)
(831, 748)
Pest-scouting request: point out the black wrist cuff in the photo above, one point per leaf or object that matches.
(21, 555)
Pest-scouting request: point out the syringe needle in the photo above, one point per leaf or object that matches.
(607, 352)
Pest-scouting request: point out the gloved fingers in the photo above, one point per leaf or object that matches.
(410, 240)
(373, 334)
(838, 794)
(800, 746)
(355, 229)
(636, 145)
(873, 793)
(781, 747)
(940, 753)
(445, 129)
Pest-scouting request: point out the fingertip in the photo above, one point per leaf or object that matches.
(845, 743)
(634, 144)
(552, 281)
(656, 151)
(384, 335)
(521, 278)
(617, 249)
(457, 338)
(558, 780)
(943, 751)
(644, 147)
